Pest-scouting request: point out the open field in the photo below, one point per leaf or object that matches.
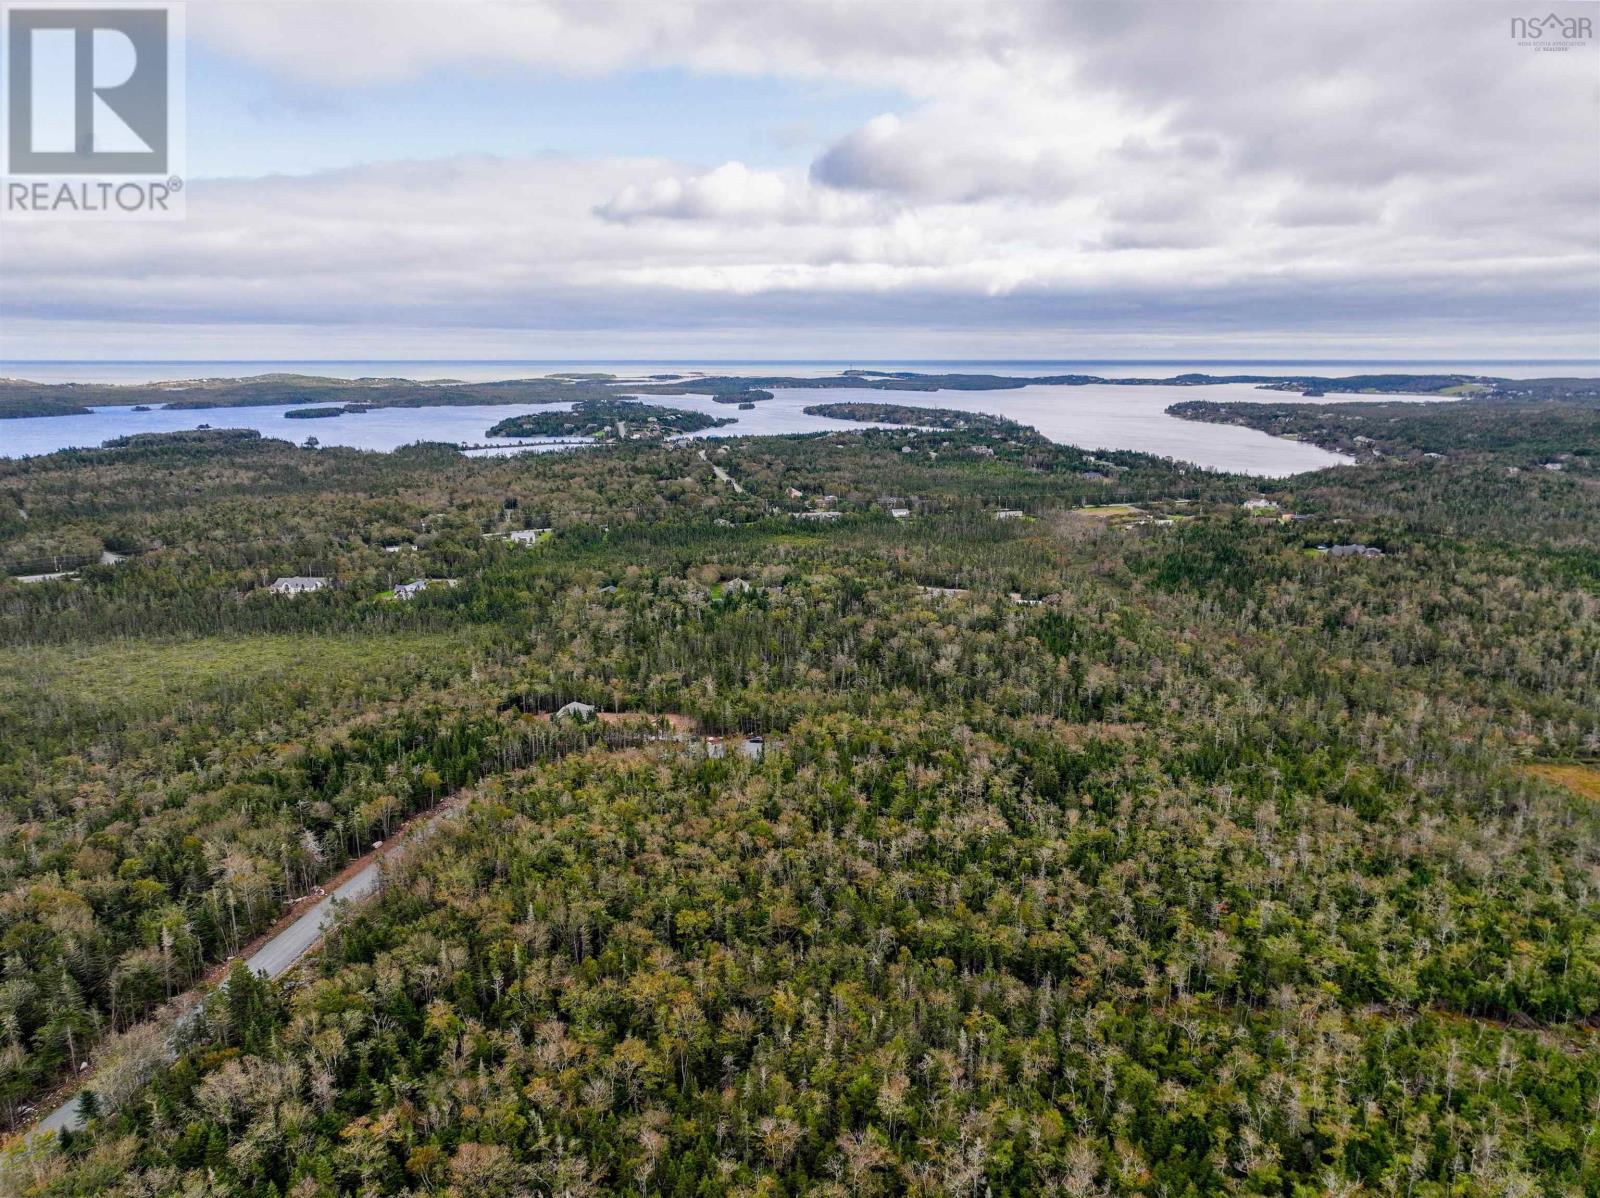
(1582, 780)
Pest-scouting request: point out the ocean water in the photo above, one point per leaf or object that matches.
(478, 371)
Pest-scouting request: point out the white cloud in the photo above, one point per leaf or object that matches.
(733, 193)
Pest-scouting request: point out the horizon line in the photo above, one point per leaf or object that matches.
(1281, 361)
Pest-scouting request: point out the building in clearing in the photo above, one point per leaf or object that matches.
(575, 711)
(900, 513)
(735, 586)
(1009, 513)
(297, 585)
(1355, 551)
(409, 590)
(528, 536)
(1259, 505)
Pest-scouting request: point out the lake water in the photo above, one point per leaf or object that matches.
(381, 428)
(1097, 416)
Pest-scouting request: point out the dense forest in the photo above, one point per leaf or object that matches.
(607, 419)
(1526, 431)
(1125, 845)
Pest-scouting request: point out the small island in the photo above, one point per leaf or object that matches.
(609, 420)
(323, 412)
(909, 414)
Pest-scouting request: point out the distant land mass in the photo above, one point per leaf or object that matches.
(21, 398)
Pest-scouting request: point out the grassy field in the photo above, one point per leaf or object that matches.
(148, 675)
(1581, 780)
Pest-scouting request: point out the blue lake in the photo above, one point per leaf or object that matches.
(1097, 416)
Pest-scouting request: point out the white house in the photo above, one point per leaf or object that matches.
(1009, 514)
(575, 711)
(297, 585)
(408, 590)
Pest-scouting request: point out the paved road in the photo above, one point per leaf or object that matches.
(722, 474)
(275, 956)
(271, 960)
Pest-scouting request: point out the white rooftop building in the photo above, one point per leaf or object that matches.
(297, 584)
(528, 536)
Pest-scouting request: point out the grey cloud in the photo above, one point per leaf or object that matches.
(1323, 209)
(930, 162)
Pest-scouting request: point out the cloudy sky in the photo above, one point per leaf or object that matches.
(668, 179)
